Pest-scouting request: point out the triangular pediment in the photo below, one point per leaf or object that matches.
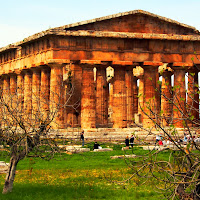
(137, 21)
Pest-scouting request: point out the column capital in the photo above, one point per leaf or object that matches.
(58, 61)
(117, 63)
(26, 71)
(194, 68)
(166, 71)
(180, 65)
(151, 64)
(56, 65)
(94, 63)
(18, 71)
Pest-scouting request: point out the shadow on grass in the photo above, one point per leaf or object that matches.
(44, 192)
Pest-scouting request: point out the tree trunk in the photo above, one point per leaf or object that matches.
(10, 175)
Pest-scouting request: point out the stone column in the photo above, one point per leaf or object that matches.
(13, 92)
(101, 97)
(110, 103)
(129, 94)
(141, 97)
(166, 98)
(135, 95)
(1, 86)
(73, 95)
(88, 97)
(119, 98)
(179, 97)
(193, 97)
(151, 101)
(56, 95)
(45, 92)
(6, 88)
(20, 90)
(27, 94)
(36, 79)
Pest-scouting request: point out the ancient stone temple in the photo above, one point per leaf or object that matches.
(99, 63)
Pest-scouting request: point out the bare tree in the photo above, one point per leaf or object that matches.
(26, 124)
(175, 165)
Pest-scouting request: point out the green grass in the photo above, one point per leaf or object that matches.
(79, 176)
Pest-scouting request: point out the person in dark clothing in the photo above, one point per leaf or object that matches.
(96, 145)
(132, 140)
(127, 141)
(82, 138)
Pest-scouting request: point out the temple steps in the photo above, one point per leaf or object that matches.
(107, 134)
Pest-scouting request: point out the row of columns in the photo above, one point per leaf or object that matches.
(152, 101)
(36, 92)
(95, 96)
(158, 102)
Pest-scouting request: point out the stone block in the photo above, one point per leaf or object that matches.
(77, 150)
(3, 167)
(103, 149)
(123, 156)
(125, 148)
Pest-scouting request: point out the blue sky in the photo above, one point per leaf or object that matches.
(22, 18)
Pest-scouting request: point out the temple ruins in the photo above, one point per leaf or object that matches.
(107, 63)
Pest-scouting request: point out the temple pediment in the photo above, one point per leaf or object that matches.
(137, 21)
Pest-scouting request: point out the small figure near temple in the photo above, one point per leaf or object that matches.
(127, 141)
(82, 137)
(132, 141)
(96, 146)
(157, 138)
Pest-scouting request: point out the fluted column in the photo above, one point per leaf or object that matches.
(36, 79)
(129, 94)
(179, 97)
(193, 97)
(1, 86)
(6, 88)
(45, 91)
(20, 90)
(101, 97)
(13, 91)
(141, 96)
(110, 103)
(56, 95)
(151, 101)
(135, 95)
(73, 95)
(88, 97)
(166, 98)
(119, 98)
(28, 93)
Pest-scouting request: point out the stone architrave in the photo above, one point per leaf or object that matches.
(166, 98)
(57, 95)
(129, 94)
(45, 91)
(151, 102)
(36, 82)
(179, 97)
(193, 97)
(119, 98)
(101, 97)
(88, 97)
(27, 93)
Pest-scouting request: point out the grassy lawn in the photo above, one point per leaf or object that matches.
(90, 175)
